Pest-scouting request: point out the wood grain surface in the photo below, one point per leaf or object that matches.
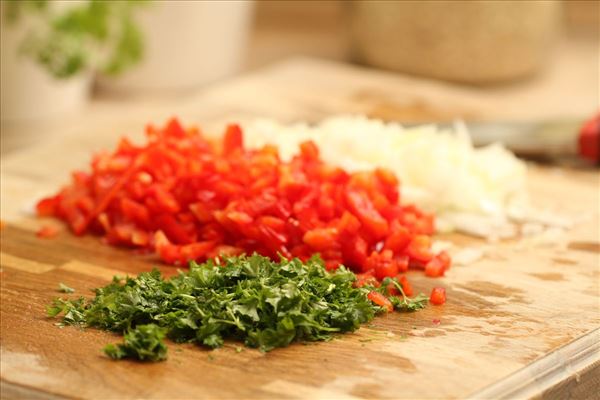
(528, 309)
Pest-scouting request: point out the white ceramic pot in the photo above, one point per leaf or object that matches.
(187, 44)
(30, 92)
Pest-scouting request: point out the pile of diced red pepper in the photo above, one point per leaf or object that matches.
(187, 198)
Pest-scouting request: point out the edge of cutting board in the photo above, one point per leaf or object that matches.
(15, 391)
(572, 371)
(549, 376)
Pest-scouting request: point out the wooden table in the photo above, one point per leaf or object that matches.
(522, 322)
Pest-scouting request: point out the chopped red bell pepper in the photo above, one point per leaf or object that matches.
(381, 301)
(186, 198)
(438, 296)
(47, 232)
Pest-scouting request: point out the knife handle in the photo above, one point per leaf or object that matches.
(589, 140)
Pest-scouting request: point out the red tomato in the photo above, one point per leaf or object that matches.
(438, 296)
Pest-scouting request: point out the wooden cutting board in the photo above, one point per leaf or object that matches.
(522, 322)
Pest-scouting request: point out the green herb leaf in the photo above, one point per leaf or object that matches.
(144, 342)
(89, 35)
(264, 304)
(403, 303)
(65, 289)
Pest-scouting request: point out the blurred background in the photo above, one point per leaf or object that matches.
(63, 61)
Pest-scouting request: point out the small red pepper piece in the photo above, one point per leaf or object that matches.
(381, 301)
(438, 296)
(47, 232)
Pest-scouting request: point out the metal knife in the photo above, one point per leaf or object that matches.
(547, 140)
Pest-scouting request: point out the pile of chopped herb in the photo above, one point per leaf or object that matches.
(263, 303)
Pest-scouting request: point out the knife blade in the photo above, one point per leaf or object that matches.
(543, 140)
